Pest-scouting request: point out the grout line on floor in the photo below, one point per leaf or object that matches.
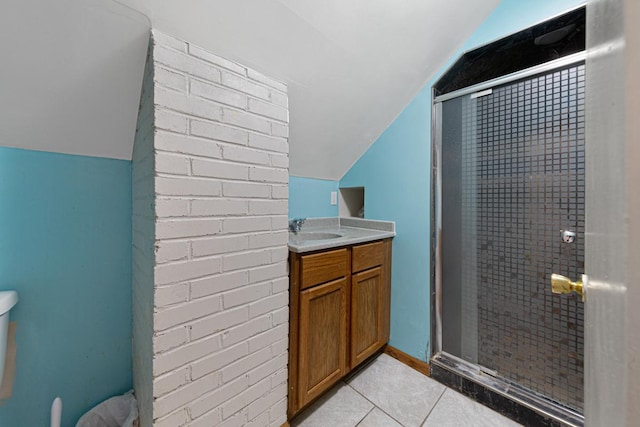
(351, 375)
(434, 406)
(375, 406)
(366, 415)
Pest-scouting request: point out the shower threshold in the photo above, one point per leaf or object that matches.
(507, 398)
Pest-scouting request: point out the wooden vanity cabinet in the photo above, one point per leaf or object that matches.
(339, 315)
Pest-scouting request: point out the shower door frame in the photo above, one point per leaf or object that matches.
(445, 360)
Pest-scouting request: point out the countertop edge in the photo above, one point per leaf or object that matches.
(329, 244)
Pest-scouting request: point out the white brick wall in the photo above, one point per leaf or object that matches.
(143, 222)
(220, 303)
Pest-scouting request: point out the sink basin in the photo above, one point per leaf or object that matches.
(315, 235)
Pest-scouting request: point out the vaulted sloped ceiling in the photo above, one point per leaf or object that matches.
(72, 68)
(70, 75)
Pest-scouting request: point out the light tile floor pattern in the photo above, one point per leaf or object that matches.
(388, 393)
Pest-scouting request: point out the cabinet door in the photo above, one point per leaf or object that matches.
(367, 314)
(323, 338)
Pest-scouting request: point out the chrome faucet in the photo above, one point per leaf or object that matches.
(296, 224)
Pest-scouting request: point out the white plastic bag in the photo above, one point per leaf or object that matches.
(119, 411)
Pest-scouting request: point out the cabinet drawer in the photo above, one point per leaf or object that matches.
(323, 267)
(367, 256)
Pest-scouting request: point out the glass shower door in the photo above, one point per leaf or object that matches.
(512, 174)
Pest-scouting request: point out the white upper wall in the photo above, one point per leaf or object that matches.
(75, 66)
(71, 76)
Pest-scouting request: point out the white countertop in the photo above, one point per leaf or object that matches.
(351, 231)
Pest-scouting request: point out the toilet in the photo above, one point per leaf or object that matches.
(7, 300)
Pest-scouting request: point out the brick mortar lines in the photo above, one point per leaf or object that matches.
(186, 239)
(223, 143)
(222, 105)
(217, 141)
(192, 118)
(226, 162)
(245, 74)
(205, 376)
(221, 218)
(199, 340)
(221, 69)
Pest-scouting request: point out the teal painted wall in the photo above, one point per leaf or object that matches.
(65, 246)
(311, 198)
(395, 174)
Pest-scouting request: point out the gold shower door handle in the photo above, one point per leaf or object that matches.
(564, 285)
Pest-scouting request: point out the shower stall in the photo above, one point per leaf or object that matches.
(508, 212)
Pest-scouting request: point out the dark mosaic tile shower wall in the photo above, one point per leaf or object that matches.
(529, 185)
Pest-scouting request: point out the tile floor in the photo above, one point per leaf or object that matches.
(388, 393)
